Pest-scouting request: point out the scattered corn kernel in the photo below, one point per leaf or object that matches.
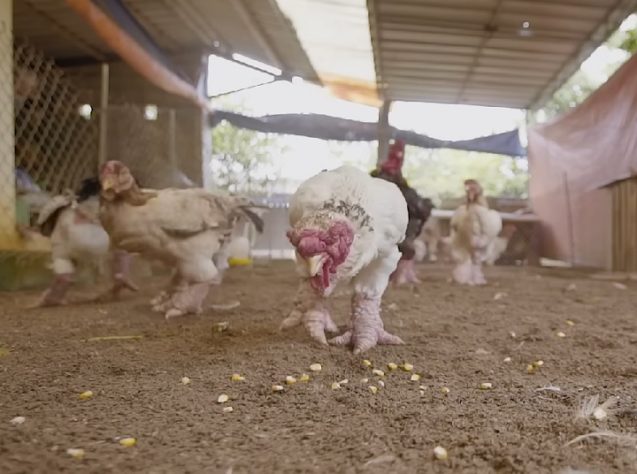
(381, 384)
(75, 453)
(507, 359)
(560, 334)
(378, 372)
(228, 409)
(290, 380)
(185, 380)
(422, 393)
(304, 378)
(422, 387)
(86, 395)
(415, 377)
(538, 363)
(237, 378)
(407, 367)
(344, 382)
(128, 442)
(277, 388)
(445, 390)
(512, 334)
(570, 323)
(440, 453)
(367, 363)
(364, 380)
(223, 398)
(336, 385)
(392, 366)
(316, 367)
(373, 389)
(18, 420)
(486, 386)
(531, 369)
(600, 413)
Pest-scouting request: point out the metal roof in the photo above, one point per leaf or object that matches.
(508, 53)
(254, 28)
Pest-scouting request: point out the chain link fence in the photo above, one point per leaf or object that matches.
(147, 140)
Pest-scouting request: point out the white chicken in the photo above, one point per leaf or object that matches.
(186, 229)
(72, 223)
(346, 227)
(473, 228)
(499, 245)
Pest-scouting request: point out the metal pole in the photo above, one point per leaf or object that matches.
(569, 217)
(102, 153)
(383, 132)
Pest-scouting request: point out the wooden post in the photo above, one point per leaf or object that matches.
(384, 133)
(102, 153)
(569, 219)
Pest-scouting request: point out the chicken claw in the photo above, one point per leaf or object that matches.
(367, 327)
(186, 300)
(316, 321)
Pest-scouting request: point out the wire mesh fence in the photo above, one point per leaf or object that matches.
(146, 139)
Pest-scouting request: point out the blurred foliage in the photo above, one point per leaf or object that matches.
(440, 173)
(244, 160)
(581, 85)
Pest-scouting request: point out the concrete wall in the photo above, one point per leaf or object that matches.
(7, 158)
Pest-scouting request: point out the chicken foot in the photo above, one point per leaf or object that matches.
(55, 293)
(310, 310)
(405, 273)
(187, 299)
(367, 328)
(120, 273)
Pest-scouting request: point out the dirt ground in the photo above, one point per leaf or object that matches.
(456, 338)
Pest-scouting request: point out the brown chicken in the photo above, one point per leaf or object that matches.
(184, 228)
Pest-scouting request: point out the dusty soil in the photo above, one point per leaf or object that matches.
(456, 338)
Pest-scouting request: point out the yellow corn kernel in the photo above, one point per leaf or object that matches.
(440, 453)
(277, 388)
(86, 395)
(228, 409)
(378, 372)
(128, 442)
(290, 380)
(392, 366)
(76, 453)
(486, 386)
(304, 378)
(223, 398)
(316, 367)
(367, 363)
(237, 378)
(373, 389)
(407, 367)
(415, 377)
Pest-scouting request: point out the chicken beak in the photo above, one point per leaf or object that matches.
(108, 183)
(314, 264)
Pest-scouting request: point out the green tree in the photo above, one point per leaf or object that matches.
(243, 160)
(439, 173)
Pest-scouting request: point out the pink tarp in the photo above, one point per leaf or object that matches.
(571, 161)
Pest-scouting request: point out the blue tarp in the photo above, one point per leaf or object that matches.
(333, 128)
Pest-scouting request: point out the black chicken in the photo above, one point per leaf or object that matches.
(418, 207)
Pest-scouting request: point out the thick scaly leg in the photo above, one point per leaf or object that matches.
(55, 293)
(164, 296)
(121, 272)
(366, 327)
(120, 269)
(405, 273)
(188, 300)
(310, 310)
(63, 269)
(477, 277)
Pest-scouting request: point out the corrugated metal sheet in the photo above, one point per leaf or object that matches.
(482, 51)
(254, 28)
